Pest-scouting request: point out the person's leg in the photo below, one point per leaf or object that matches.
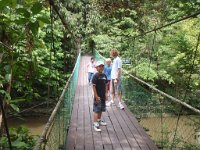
(119, 91)
(89, 77)
(108, 87)
(96, 115)
(92, 74)
(120, 96)
(99, 116)
(96, 110)
(103, 109)
(112, 91)
(96, 123)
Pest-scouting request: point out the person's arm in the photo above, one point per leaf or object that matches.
(88, 65)
(106, 89)
(97, 98)
(119, 71)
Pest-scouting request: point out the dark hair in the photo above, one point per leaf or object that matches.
(92, 58)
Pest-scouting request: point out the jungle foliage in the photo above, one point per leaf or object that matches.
(37, 51)
(167, 58)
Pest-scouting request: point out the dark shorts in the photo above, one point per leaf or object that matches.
(99, 107)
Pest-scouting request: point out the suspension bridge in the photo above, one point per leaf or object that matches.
(151, 119)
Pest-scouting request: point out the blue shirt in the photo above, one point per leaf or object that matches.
(107, 71)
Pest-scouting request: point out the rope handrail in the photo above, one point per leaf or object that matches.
(157, 90)
(168, 24)
(51, 118)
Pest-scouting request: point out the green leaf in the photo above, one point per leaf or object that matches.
(15, 101)
(19, 144)
(7, 68)
(8, 77)
(41, 24)
(37, 7)
(23, 12)
(37, 95)
(4, 3)
(44, 19)
(14, 107)
(21, 21)
(7, 95)
(34, 27)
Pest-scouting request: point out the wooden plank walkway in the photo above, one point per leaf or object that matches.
(122, 132)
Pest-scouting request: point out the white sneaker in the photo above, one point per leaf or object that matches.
(102, 123)
(96, 127)
(108, 104)
(112, 102)
(120, 106)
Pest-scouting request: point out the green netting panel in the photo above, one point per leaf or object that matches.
(169, 124)
(98, 56)
(54, 137)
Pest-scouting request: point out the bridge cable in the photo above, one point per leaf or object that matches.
(53, 46)
(150, 53)
(168, 24)
(50, 57)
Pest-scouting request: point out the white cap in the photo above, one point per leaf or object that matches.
(99, 63)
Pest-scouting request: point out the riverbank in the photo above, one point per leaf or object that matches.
(34, 124)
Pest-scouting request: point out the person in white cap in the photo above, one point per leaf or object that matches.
(99, 82)
(116, 78)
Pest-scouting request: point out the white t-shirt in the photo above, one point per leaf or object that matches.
(117, 63)
(91, 67)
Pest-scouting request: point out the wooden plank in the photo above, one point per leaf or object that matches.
(111, 132)
(105, 137)
(128, 133)
(80, 127)
(137, 136)
(118, 130)
(71, 138)
(144, 135)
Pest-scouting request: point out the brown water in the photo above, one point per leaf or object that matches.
(34, 124)
(185, 128)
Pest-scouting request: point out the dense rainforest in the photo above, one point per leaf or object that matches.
(40, 40)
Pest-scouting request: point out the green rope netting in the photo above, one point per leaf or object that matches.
(57, 131)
